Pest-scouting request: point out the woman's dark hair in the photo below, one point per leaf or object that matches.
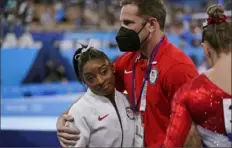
(218, 31)
(81, 58)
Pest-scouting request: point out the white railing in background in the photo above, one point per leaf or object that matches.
(36, 113)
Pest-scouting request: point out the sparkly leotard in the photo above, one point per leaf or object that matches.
(209, 107)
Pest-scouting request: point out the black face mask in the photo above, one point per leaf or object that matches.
(128, 40)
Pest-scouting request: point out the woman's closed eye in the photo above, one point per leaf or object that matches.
(103, 72)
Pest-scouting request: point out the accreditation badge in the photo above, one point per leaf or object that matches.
(139, 131)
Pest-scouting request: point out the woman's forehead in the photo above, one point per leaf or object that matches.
(95, 64)
(97, 61)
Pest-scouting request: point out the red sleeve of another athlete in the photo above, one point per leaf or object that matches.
(119, 74)
(180, 122)
(177, 76)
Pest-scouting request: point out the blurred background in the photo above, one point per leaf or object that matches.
(38, 40)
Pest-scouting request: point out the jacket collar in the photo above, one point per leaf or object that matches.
(99, 97)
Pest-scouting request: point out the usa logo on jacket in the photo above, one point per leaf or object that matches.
(153, 75)
(130, 113)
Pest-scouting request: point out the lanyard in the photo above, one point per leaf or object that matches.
(143, 90)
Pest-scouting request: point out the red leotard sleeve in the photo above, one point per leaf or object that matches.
(180, 122)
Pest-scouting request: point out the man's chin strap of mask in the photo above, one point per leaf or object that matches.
(145, 39)
(146, 36)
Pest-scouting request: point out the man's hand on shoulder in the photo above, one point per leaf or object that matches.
(67, 136)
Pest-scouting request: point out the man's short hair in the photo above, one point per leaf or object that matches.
(152, 8)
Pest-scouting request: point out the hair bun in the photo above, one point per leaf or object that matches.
(216, 11)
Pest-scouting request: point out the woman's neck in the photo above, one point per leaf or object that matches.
(111, 96)
(223, 63)
(220, 73)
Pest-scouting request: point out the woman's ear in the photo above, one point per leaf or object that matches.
(206, 47)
